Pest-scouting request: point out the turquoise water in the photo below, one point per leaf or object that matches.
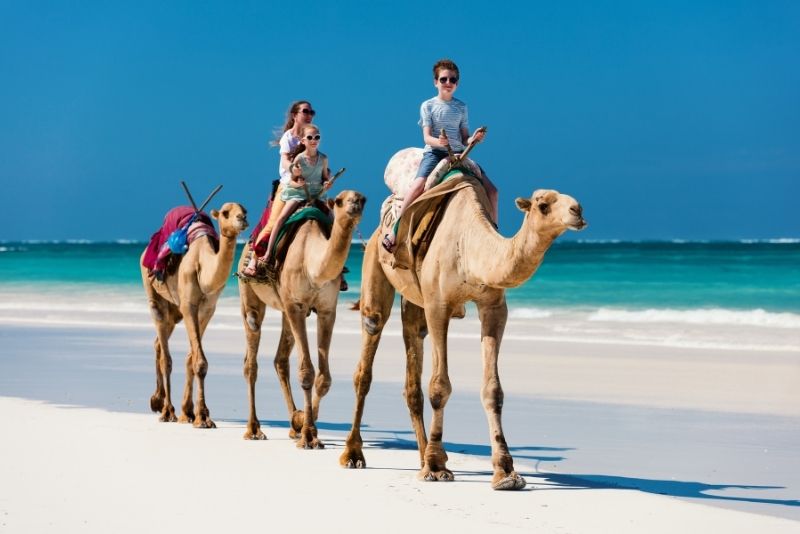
(632, 276)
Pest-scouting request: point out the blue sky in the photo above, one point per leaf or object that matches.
(668, 120)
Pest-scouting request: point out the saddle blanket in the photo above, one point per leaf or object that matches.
(158, 252)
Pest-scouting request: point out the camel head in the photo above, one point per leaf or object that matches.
(231, 218)
(349, 205)
(552, 212)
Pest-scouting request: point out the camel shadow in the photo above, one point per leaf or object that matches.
(557, 481)
(673, 488)
(550, 481)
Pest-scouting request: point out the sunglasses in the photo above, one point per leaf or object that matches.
(313, 137)
(444, 79)
(306, 111)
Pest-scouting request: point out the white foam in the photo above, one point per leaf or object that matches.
(710, 316)
(528, 313)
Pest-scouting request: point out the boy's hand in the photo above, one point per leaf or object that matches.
(477, 137)
(444, 142)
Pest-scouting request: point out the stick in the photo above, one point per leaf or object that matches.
(463, 155)
(450, 156)
(214, 192)
(188, 194)
(335, 176)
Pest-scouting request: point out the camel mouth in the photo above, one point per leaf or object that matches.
(580, 225)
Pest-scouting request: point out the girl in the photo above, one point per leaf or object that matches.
(309, 179)
(298, 117)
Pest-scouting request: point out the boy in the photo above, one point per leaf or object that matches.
(442, 112)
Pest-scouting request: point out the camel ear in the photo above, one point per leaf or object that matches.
(523, 204)
(332, 201)
(215, 214)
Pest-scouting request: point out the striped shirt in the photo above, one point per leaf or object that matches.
(450, 115)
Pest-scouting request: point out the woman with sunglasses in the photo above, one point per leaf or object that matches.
(309, 179)
(298, 116)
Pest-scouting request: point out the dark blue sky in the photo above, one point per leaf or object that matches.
(672, 121)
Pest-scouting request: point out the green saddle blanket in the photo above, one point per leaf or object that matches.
(302, 215)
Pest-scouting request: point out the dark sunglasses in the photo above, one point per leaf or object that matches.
(313, 137)
(306, 111)
(444, 79)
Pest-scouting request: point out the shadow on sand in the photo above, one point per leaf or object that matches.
(552, 481)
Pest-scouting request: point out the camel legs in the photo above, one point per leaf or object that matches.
(197, 318)
(253, 317)
(493, 321)
(161, 401)
(322, 384)
(296, 315)
(414, 331)
(435, 458)
(377, 296)
(285, 344)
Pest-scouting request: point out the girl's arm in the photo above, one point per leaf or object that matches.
(326, 173)
(297, 179)
(285, 161)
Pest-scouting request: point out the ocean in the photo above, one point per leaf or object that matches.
(729, 285)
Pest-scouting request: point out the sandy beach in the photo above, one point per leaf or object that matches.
(695, 431)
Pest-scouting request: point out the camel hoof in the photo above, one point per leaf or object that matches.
(444, 475)
(204, 423)
(186, 418)
(511, 482)
(258, 435)
(310, 444)
(352, 459)
(167, 418)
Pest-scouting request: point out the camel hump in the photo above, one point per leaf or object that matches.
(402, 169)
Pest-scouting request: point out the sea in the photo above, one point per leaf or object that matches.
(670, 289)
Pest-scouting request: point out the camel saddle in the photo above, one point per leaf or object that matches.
(269, 274)
(158, 258)
(416, 228)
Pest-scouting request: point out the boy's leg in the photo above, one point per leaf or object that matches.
(414, 191)
(429, 161)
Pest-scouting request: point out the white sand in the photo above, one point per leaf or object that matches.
(598, 429)
(86, 470)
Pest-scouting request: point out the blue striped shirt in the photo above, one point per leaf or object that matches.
(450, 115)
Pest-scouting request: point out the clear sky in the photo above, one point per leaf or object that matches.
(666, 120)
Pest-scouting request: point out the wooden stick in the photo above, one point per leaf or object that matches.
(188, 194)
(336, 176)
(463, 155)
(450, 156)
(214, 192)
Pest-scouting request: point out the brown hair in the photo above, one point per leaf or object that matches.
(301, 147)
(290, 113)
(445, 64)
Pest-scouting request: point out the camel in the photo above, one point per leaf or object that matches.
(191, 293)
(466, 260)
(308, 281)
